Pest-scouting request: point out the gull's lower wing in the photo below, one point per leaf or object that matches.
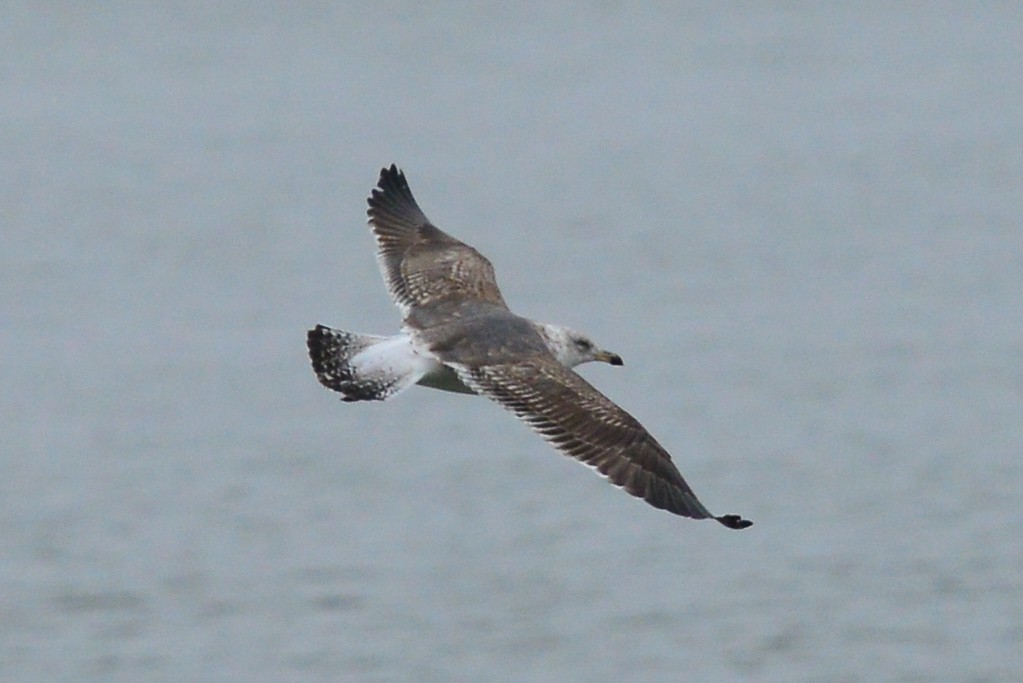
(579, 421)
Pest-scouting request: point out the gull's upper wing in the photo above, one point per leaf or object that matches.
(581, 422)
(422, 264)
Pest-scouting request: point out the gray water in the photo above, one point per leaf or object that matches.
(799, 224)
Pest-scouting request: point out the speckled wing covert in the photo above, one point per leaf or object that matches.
(579, 421)
(422, 264)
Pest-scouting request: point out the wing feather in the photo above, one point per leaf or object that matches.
(581, 422)
(421, 264)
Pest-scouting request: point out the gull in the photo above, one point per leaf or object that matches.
(459, 335)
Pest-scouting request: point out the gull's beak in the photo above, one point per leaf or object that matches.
(608, 357)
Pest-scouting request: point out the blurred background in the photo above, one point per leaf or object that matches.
(799, 224)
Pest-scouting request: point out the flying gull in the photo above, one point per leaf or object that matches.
(459, 335)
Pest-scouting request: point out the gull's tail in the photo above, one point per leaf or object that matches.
(363, 367)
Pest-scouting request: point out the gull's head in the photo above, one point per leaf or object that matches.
(573, 348)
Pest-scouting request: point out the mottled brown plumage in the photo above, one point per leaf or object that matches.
(461, 336)
(421, 264)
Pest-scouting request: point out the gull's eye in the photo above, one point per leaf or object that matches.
(583, 344)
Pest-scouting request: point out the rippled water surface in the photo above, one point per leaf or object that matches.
(799, 225)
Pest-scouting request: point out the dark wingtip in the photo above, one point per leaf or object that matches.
(734, 521)
(392, 175)
(392, 196)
